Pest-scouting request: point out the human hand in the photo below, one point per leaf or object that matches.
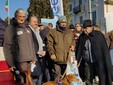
(33, 61)
(53, 57)
(72, 48)
(42, 53)
(12, 68)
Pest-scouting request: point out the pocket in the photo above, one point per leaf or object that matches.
(60, 56)
(37, 70)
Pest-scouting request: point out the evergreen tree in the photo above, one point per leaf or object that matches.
(42, 9)
(7, 20)
(66, 10)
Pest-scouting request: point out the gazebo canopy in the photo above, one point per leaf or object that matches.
(3, 25)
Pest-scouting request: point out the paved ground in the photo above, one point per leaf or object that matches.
(93, 84)
(97, 83)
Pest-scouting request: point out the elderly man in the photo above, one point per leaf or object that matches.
(18, 45)
(59, 41)
(40, 50)
(93, 53)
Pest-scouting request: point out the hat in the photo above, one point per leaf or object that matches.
(62, 19)
(87, 23)
(71, 26)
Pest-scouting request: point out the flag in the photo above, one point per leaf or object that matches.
(57, 8)
(6, 6)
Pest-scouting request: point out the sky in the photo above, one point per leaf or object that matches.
(13, 6)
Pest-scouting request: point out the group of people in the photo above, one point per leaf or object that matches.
(23, 46)
(27, 47)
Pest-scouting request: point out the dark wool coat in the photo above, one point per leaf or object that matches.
(42, 62)
(18, 43)
(101, 53)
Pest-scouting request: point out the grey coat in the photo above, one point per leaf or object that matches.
(18, 44)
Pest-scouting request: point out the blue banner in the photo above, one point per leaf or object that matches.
(57, 7)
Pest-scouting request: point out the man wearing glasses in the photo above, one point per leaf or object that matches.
(18, 47)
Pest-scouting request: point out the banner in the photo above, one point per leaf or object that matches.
(53, 21)
(57, 8)
(6, 6)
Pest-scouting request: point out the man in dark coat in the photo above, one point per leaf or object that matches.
(18, 47)
(93, 53)
(40, 49)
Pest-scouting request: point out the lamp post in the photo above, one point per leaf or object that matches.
(90, 11)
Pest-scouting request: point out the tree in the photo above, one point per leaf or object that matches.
(40, 9)
(7, 20)
(66, 10)
(43, 10)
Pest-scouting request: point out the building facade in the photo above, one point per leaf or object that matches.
(96, 10)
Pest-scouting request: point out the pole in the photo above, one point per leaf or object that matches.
(62, 11)
(90, 11)
(8, 14)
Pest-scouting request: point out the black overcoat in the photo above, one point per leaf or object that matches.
(101, 53)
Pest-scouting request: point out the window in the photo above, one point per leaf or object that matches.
(81, 19)
(94, 16)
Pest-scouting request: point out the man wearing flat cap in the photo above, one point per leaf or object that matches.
(59, 41)
(93, 53)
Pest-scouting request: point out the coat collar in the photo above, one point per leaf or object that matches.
(16, 24)
(65, 32)
(90, 34)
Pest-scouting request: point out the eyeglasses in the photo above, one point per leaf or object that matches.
(21, 16)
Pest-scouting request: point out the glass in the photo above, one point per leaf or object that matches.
(21, 16)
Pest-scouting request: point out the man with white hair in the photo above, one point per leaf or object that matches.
(40, 73)
(18, 46)
(93, 55)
